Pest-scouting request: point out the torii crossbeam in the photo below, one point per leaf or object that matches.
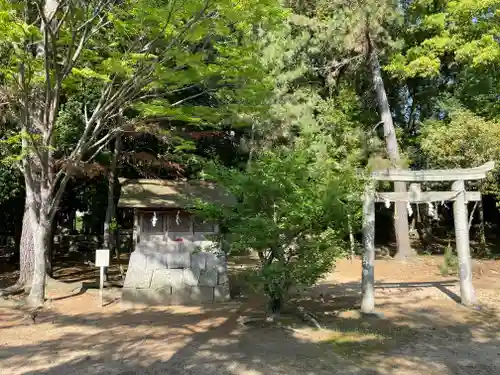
(458, 195)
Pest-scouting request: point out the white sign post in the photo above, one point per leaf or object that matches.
(101, 261)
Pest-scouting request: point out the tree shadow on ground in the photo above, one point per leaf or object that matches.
(75, 267)
(431, 339)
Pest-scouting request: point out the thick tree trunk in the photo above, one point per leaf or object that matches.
(404, 249)
(38, 166)
(41, 237)
(26, 258)
(40, 221)
(26, 252)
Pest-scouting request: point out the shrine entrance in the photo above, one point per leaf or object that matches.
(457, 195)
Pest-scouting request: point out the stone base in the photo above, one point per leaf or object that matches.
(181, 278)
(165, 296)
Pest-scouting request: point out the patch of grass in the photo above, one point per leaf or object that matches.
(359, 344)
(356, 338)
(450, 262)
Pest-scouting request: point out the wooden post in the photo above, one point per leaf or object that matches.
(462, 241)
(368, 275)
(101, 261)
(101, 285)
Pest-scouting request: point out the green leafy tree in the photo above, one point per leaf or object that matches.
(463, 140)
(365, 27)
(136, 55)
(291, 208)
(330, 70)
(450, 49)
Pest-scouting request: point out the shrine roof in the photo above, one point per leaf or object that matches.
(156, 193)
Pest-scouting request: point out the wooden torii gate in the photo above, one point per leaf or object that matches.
(458, 195)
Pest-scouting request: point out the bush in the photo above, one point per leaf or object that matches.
(450, 262)
(291, 207)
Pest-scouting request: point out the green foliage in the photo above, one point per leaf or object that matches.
(114, 226)
(303, 63)
(11, 184)
(70, 125)
(467, 29)
(291, 207)
(294, 197)
(155, 58)
(450, 262)
(462, 140)
(451, 48)
(79, 224)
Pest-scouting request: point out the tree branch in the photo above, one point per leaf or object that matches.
(87, 32)
(179, 102)
(108, 138)
(63, 18)
(54, 205)
(97, 13)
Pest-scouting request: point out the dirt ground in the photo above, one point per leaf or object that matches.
(420, 330)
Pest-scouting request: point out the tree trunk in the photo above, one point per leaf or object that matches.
(49, 253)
(38, 198)
(41, 237)
(352, 244)
(26, 258)
(110, 211)
(109, 237)
(252, 146)
(482, 235)
(404, 249)
(275, 305)
(18, 230)
(38, 167)
(117, 243)
(26, 251)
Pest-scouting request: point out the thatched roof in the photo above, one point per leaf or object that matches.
(146, 193)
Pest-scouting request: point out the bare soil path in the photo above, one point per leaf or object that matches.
(422, 330)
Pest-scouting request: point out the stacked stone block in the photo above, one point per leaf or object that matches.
(170, 274)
